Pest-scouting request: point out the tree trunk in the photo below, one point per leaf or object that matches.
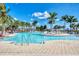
(70, 29)
(3, 30)
(51, 27)
(64, 25)
(76, 30)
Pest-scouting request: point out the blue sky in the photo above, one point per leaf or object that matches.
(38, 11)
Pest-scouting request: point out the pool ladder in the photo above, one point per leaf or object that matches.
(25, 38)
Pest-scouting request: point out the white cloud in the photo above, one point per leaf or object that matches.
(36, 14)
(46, 14)
(15, 19)
(40, 15)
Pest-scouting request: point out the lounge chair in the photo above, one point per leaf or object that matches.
(1, 35)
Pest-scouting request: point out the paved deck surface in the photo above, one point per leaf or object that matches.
(50, 48)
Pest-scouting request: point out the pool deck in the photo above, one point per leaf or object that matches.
(50, 48)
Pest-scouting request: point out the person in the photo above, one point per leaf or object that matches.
(43, 42)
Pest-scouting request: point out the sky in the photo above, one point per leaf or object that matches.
(29, 12)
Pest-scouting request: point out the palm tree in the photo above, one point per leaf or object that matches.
(34, 24)
(77, 25)
(27, 24)
(22, 25)
(45, 27)
(5, 20)
(56, 27)
(72, 19)
(64, 18)
(76, 28)
(14, 24)
(51, 19)
(69, 19)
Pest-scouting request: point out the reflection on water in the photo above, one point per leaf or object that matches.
(37, 38)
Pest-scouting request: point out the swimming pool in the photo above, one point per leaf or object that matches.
(36, 37)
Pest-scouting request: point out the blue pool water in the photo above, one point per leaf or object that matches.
(36, 37)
